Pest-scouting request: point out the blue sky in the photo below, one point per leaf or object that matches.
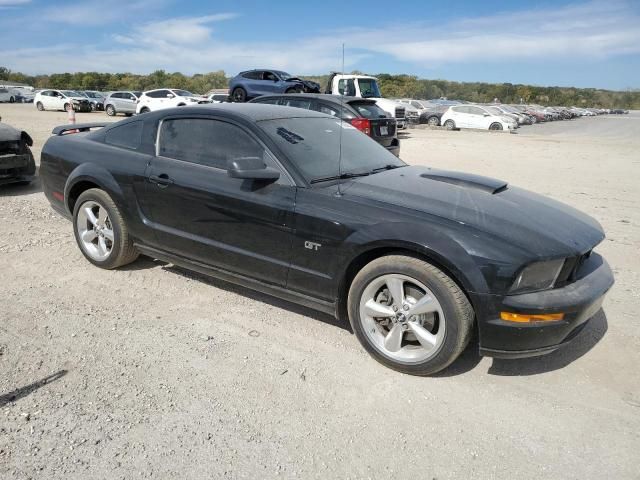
(584, 44)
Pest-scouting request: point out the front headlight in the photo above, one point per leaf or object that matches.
(537, 276)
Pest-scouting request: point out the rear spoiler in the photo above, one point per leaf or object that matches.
(77, 127)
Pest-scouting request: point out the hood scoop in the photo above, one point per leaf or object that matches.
(467, 180)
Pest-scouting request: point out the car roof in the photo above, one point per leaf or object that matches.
(251, 111)
(337, 99)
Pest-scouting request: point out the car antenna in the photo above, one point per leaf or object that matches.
(340, 114)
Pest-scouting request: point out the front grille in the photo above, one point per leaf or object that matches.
(399, 112)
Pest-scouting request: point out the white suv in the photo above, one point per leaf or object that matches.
(165, 98)
(475, 116)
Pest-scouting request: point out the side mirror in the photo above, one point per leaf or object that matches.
(486, 115)
(251, 168)
(170, 95)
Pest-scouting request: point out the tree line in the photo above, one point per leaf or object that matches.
(392, 86)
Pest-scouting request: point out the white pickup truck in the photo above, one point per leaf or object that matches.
(366, 87)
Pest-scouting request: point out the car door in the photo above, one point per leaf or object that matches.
(199, 212)
(478, 117)
(127, 103)
(271, 83)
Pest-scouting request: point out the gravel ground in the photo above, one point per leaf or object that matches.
(151, 371)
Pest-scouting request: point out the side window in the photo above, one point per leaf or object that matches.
(350, 88)
(269, 101)
(206, 142)
(3, 90)
(116, 95)
(127, 96)
(158, 94)
(475, 111)
(326, 108)
(270, 76)
(127, 136)
(252, 75)
(297, 103)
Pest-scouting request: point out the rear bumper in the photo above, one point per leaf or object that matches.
(16, 168)
(579, 301)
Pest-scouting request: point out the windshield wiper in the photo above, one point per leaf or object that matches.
(340, 177)
(386, 167)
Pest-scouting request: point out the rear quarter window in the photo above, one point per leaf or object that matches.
(125, 136)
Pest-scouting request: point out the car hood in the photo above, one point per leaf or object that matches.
(539, 225)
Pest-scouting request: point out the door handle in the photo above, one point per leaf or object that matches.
(162, 180)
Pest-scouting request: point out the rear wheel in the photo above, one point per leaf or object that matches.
(239, 95)
(100, 230)
(450, 125)
(409, 315)
(495, 126)
(40, 107)
(111, 111)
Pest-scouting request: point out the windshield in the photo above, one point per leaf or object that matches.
(72, 93)
(183, 93)
(313, 145)
(284, 75)
(92, 95)
(495, 110)
(369, 88)
(137, 94)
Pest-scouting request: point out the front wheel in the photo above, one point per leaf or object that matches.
(495, 126)
(93, 107)
(40, 107)
(409, 315)
(12, 99)
(433, 121)
(100, 231)
(144, 110)
(239, 95)
(450, 125)
(294, 90)
(111, 111)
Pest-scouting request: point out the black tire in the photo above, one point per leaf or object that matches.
(144, 110)
(457, 310)
(111, 110)
(495, 126)
(40, 107)
(12, 99)
(294, 90)
(123, 250)
(450, 125)
(93, 107)
(65, 107)
(433, 121)
(128, 114)
(239, 95)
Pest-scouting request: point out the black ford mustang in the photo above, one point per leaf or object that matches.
(417, 259)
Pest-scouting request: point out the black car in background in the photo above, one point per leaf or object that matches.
(362, 113)
(290, 202)
(16, 160)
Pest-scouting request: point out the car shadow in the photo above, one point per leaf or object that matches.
(145, 262)
(22, 392)
(593, 332)
(21, 188)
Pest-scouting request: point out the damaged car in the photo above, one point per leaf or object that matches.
(16, 160)
(254, 83)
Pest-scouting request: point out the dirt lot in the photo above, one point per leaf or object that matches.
(151, 371)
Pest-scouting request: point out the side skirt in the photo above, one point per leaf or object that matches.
(253, 284)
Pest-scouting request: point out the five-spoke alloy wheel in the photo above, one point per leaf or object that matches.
(409, 315)
(100, 230)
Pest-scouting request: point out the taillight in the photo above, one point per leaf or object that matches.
(362, 124)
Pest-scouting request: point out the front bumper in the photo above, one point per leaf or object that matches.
(579, 301)
(16, 168)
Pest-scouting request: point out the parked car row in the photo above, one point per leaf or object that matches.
(454, 114)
